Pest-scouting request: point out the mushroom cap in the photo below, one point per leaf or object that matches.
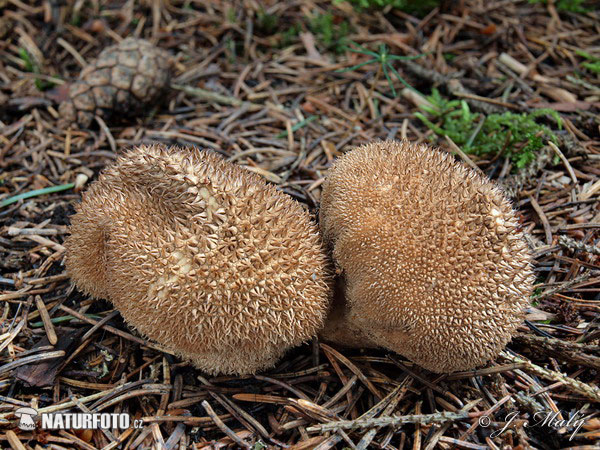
(25, 410)
(202, 256)
(435, 268)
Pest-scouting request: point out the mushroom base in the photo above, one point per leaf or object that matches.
(345, 328)
(236, 363)
(340, 328)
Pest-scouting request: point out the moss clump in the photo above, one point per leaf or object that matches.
(331, 32)
(31, 66)
(592, 62)
(266, 23)
(516, 135)
(577, 6)
(419, 8)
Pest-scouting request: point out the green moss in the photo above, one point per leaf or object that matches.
(266, 23)
(536, 293)
(31, 66)
(27, 59)
(231, 50)
(419, 8)
(290, 35)
(330, 32)
(516, 135)
(566, 5)
(592, 62)
(231, 15)
(76, 20)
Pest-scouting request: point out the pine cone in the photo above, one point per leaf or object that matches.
(123, 80)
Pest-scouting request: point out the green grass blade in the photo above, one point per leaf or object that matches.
(358, 66)
(402, 80)
(405, 58)
(35, 193)
(362, 50)
(61, 319)
(387, 76)
(299, 125)
(432, 126)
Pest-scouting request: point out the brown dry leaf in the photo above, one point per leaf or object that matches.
(44, 373)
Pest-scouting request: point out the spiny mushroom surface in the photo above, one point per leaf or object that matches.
(201, 256)
(123, 80)
(435, 268)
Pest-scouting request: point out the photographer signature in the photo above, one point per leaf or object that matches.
(550, 419)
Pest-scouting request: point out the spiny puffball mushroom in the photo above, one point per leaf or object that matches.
(202, 256)
(435, 268)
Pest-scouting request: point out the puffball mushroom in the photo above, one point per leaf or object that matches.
(434, 265)
(202, 256)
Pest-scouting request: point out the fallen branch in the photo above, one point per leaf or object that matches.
(572, 244)
(216, 98)
(440, 417)
(563, 350)
(587, 390)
